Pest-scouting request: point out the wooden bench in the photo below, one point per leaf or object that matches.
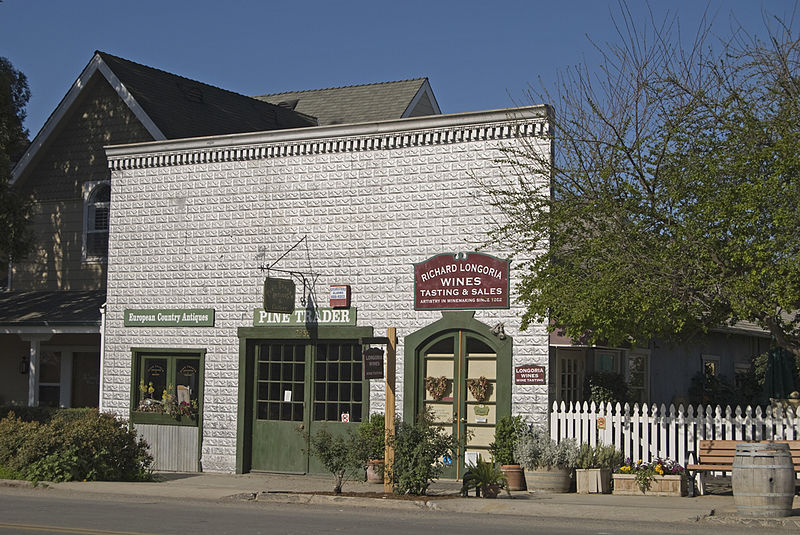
(717, 456)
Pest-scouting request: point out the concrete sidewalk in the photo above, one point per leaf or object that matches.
(281, 488)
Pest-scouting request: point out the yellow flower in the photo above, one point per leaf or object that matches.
(659, 470)
(625, 469)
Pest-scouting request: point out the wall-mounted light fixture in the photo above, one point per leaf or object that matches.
(24, 365)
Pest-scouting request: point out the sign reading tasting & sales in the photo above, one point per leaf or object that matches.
(461, 281)
(169, 317)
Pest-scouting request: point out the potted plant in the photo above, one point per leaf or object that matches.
(502, 450)
(372, 436)
(548, 464)
(594, 467)
(485, 478)
(662, 477)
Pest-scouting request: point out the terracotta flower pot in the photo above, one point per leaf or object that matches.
(375, 471)
(515, 476)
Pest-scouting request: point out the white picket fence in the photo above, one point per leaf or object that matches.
(649, 432)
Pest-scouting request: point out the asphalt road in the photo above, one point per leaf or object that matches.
(41, 511)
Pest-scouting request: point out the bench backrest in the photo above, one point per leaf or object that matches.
(723, 451)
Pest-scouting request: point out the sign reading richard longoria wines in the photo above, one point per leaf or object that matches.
(461, 281)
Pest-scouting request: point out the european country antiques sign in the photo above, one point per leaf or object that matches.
(461, 281)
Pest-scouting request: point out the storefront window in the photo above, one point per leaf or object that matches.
(168, 388)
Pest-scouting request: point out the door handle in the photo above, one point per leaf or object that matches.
(463, 420)
(301, 427)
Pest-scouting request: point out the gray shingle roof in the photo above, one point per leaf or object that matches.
(51, 308)
(352, 104)
(181, 107)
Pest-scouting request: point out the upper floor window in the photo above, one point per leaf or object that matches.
(97, 202)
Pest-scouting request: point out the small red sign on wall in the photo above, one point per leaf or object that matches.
(530, 375)
(340, 296)
(461, 281)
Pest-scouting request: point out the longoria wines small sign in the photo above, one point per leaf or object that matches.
(461, 281)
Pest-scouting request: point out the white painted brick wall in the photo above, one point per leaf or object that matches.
(194, 236)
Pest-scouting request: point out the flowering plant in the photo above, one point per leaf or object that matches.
(479, 388)
(645, 472)
(168, 404)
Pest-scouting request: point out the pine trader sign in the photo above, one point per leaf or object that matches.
(461, 281)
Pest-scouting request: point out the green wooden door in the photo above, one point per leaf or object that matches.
(300, 387)
(280, 406)
(461, 357)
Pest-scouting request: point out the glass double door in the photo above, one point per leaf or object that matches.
(299, 387)
(458, 385)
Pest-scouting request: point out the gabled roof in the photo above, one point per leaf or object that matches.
(361, 103)
(169, 106)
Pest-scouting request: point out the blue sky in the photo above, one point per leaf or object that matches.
(478, 55)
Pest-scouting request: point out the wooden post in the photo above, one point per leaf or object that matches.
(391, 357)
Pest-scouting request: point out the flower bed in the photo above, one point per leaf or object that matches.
(662, 477)
(626, 485)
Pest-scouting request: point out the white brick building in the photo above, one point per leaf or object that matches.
(193, 223)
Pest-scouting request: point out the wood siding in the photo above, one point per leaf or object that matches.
(73, 155)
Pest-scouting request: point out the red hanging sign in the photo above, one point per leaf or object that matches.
(461, 281)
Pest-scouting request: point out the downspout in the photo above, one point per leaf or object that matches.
(102, 353)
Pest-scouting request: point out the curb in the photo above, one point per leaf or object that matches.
(23, 484)
(323, 499)
(732, 519)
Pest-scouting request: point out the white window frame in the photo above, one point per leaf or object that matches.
(89, 189)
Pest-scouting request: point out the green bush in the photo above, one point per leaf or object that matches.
(418, 452)
(606, 387)
(85, 446)
(7, 473)
(342, 455)
(599, 456)
(505, 436)
(372, 433)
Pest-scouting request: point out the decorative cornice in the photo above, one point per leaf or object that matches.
(384, 135)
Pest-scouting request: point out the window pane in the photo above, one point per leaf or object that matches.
(187, 375)
(50, 367)
(155, 378)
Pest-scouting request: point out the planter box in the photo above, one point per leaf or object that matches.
(593, 481)
(625, 484)
(548, 480)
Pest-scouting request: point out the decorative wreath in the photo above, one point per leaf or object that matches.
(479, 388)
(436, 386)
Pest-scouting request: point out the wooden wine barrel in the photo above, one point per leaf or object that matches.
(763, 479)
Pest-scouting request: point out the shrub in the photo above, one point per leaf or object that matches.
(341, 455)
(74, 446)
(372, 433)
(535, 449)
(599, 456)
(7, 473)
(418, 452)
(606, 387)
(505, 437)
